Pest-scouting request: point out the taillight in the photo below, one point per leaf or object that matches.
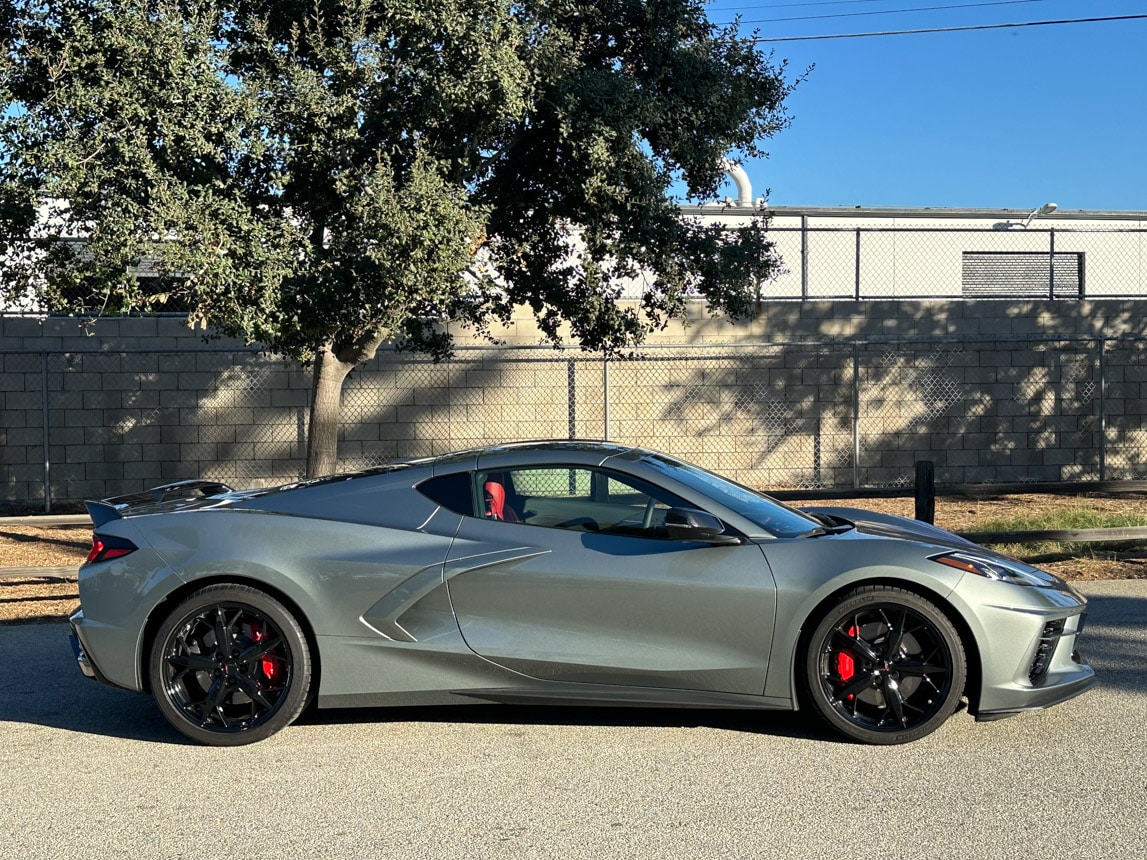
(105, 548)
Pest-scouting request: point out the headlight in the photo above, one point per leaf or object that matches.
(1002, 570)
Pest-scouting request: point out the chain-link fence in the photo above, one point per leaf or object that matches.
(78, 425)
(1004, 261)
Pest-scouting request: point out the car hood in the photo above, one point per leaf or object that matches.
(893, 526)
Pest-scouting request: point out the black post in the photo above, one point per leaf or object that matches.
(926, 491)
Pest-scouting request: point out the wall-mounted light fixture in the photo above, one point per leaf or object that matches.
(1046, 209)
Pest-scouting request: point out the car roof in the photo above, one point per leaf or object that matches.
(536, 452)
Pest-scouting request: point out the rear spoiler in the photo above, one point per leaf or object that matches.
(109, 509)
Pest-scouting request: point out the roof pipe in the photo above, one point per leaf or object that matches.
(738, 175)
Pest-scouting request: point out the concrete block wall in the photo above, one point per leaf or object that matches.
(990, 391)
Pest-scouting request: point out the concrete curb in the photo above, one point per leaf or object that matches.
(47, 520)
(61, 572)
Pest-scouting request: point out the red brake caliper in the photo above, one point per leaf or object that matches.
(845, 664)
(269, 666)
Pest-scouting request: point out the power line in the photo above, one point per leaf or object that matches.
(892, 11)
(759, 7)
(760, 39)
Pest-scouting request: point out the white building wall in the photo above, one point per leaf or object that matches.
(908, 254)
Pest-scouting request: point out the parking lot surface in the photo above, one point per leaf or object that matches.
(86, 771)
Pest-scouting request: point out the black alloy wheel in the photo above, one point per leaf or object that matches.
(230, 666)
(884, 666)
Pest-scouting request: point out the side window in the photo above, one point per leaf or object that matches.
(450, 491)
(644, 504)
(540, 496)
(579, 499)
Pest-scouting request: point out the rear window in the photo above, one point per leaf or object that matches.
(452, 492)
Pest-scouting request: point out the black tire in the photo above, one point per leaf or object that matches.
(884, 666)
(244, 692)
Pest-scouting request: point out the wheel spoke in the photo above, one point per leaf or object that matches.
(248, 686)
(259, 649)
(863, 682)
(895, 635)
(856, 643)
(213, 702)
(893, 699)
(222, 634)
(186, 661)
(912, 667)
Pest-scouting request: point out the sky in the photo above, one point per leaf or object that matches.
(1003, 118)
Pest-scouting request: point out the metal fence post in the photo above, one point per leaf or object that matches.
(804, 257)
(47, 432)
(605, 398)
(1051, 265)
(571, 397)
(856, 415)
(857, 292)
(1103, 409)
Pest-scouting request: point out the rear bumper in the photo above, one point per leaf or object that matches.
(81, 651)
(78, 650)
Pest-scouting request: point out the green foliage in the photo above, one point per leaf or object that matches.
(319, 174)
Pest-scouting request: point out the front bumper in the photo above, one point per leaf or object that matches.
(1043, 698)
(1029, 654)
(1057, 673)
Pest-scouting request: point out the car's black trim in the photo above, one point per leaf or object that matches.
(1041, 699)
(590, 695)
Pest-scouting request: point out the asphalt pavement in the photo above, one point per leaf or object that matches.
(87, 772)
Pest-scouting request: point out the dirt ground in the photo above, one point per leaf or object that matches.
(38, 599)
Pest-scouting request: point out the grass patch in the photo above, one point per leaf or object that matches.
(1064, 518)
(1068, 518)
(1044, 551)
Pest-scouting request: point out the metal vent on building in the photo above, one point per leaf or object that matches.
(1022, 275)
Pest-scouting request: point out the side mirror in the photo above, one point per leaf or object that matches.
(690, 524)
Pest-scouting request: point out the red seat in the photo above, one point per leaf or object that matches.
(496, 506)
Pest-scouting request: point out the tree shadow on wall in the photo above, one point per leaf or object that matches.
(1021, 409)
(1015, 410)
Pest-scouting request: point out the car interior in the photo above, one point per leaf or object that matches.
(579, 499)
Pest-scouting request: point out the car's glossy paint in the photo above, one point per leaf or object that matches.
(407, 602)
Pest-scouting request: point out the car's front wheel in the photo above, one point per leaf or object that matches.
(230, 666)
(884, 666)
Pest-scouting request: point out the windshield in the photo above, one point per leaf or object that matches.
(775, 518)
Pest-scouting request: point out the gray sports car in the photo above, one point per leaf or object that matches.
(558, 573)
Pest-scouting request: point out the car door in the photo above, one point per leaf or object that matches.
(587, 587)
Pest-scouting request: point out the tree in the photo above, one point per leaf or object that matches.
(320, 176)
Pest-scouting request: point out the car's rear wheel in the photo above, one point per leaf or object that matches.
(884, 666)
(230, 666)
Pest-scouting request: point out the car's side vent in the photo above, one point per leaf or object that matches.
(1052, 631)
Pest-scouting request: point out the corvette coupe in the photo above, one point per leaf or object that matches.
(579, 573)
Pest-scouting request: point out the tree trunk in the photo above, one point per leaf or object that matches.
(333, 363)
(326, 404)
